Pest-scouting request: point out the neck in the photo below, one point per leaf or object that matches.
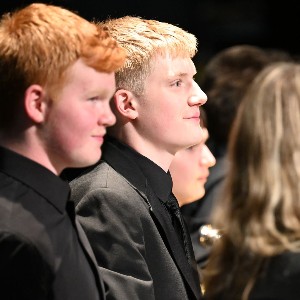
(159, 155)
(28, 147)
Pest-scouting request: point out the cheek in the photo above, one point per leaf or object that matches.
(189, 162)
(182, 174)
(164, 109)
(67, 128)
(61, 135)
(78, 118)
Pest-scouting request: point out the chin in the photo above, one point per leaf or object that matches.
(202, 194)
(87, 163)
(190, 201)
(199, 195)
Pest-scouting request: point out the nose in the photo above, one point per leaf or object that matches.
(198, 97)
(106, 117)
(207, 158)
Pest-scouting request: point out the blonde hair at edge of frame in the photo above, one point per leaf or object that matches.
(269, 126)
(143, 40)
(260, 212)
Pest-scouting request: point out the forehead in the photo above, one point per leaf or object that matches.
(170, 66)
(80, 79)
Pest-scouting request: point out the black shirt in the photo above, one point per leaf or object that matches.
(159, 180)
(42, 253)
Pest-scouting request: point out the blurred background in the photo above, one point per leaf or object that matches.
(216, 23)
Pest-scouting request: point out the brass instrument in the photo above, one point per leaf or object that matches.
(208, 235)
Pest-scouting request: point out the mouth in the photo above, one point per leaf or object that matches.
(195, 120)
(99, 138)
(195, 116)
(202, 179)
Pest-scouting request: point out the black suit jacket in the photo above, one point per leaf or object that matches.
(131, 233)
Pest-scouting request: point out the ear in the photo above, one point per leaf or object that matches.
(126, 104)
(35, 104)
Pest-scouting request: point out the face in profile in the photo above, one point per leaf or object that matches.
(77, 119)
(170, 104)
(190, 169)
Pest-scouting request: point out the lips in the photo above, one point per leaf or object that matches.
(99, 137)
(192, 118)
(204, 175)
(196, 115)
(202, 178)
(99, 134)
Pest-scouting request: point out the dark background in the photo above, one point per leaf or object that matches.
(216, 23)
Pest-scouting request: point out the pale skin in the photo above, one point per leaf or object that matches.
(67, 131)
(189, 170)
(166, 118)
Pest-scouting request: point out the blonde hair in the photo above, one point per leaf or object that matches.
(40, 42)
(260, 213)
(143, 40)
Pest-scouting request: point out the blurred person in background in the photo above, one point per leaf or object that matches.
(258, 255)
(190, 168)
(225, 79)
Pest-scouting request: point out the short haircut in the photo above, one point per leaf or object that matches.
(144, 39)
(37, 46)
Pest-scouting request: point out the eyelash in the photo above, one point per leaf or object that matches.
(194, 147)
(177, 83)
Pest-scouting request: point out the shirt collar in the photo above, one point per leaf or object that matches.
(158, 179)
(37, 177)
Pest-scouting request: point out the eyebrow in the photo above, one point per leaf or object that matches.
(181, 74)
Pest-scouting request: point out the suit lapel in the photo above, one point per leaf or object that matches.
(91, 257)
(130, 170)
(172, 242)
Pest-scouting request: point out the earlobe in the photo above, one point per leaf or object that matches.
(35, 104)
(125, 104)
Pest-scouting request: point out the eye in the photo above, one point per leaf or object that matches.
(96, 98)
(197, 147)
(177, 83)
(192, 148)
